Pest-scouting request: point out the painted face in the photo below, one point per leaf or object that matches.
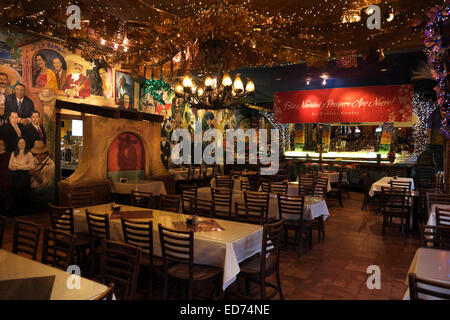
(78, 68)
(21, 144)
(122, 81)
(19, 91)
(57, 64)
(13, 118)
(103, 74)
(35, 118)
(2, 146)
(40, 62)
(126, 100)
(3, 81)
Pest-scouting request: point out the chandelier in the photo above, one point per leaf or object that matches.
(217, 93)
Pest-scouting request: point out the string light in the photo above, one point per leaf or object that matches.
(422, 109)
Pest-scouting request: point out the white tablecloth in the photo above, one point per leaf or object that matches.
(182, 174)
(224, 249)
(432, 214)
(384, 182)
(155, 187)
(431, 264)
(313, 209)
(13, 266)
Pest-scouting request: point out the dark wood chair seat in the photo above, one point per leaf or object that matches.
(302, 226)
(201, 272)
(252, 266)
(145, 260)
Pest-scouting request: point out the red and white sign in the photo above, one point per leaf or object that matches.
(357, 104)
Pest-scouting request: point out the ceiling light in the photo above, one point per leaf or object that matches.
(390, 17)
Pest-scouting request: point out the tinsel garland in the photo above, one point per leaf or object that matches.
(156, 88)
(283, 128)
(422, 109)
(437, 53)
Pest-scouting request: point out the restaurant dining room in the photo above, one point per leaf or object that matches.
(224, 151)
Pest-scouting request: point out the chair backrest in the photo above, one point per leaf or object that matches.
(58, 249)
(177, 246)
(249, 184)
(139, 234)
(26, 238)
(120, 265)
(61, 218)
(424, 289)
(401, 184)
(292, 205)
(435, 236)
(306, 185)
(141, 199)
(197, 172)
(271, 243)
(395, 198)
(2, 229)
(98, 225)
(437, 198)
(186, 195)
(250, 213)
(200, 207)
(224, 181)
(108, 294)
(320, 191)
(191, 173)
(169, 203)
(278, 187)
(265, 186)
(222, 202)
(257, 199)
(442, 216)
(80, 199)
(343, 177)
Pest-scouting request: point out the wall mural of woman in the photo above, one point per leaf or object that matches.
(43, 76)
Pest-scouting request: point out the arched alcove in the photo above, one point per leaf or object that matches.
(126, 157)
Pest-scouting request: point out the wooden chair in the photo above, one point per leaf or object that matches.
(248, 184)
(266, 263)
(337, 191)
(435, 236)
(189, 182)
(396, 204)
(424, 289)
(98, 227)
(222, 199)
(423, 205)
(260, 199)
(437, 198)
(401, 184)
(141, 199)
(80, 199)
(224, 182)
(61, 219)
(2, 229)
(26, 238)
(425, 177)
(442, 217)
(178, 247)
(140, 234)
(320, 188)
(278, 187)
(246, 213)
(169, 203)
(120, 265)
(201, 207)
(108, 294)
(186, 195)
(306, 185)
(344, 182)
(58, 249)
(265, 186)
(294, 206)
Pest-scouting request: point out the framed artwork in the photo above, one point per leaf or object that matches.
(124, 91)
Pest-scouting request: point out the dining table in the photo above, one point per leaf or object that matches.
(385, 182)
(23, 278)
(155, 187)
(431, 264)
(218, 243)
(432, 213)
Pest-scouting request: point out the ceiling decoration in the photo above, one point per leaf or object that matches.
(191, 35)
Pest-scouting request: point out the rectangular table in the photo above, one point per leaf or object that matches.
(313, 208)
(224, 249)
(155, 187)
(431, 264)
(13, 266)
(384, 182)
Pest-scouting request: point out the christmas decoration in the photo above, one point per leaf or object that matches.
(437, 58)
(156, 88)
(391, 156)
(285, 134)
(422, 109)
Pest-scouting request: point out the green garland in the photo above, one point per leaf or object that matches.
(156, 88)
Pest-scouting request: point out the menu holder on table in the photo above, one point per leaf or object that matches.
(37, 288)
(148, 214)
(201, 226)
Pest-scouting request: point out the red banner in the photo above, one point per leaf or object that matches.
(357, 104)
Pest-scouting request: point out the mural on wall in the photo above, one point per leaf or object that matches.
(124, 90)
(126, 158)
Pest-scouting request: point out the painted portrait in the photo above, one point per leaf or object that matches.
(101, 79)
(124, 86)
(77, 83)
(45, 64)
(126, 157)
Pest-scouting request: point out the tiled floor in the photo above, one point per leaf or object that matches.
(336, 267)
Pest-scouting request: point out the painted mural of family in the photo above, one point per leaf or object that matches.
(25, 163)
